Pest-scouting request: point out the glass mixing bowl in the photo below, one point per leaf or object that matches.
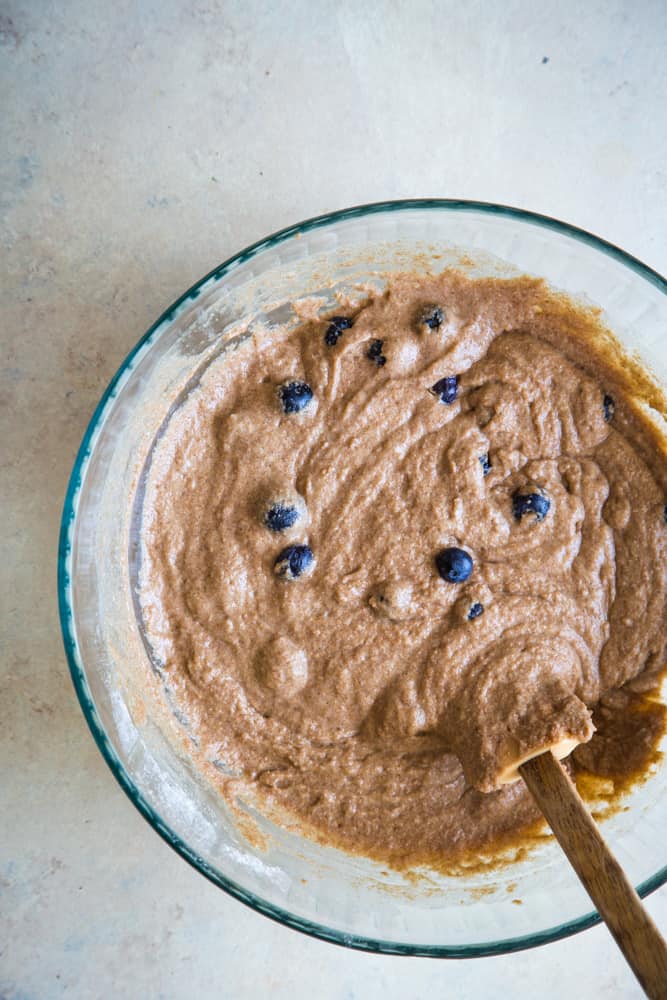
(322, 891)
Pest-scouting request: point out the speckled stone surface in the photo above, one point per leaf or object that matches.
(142, 143)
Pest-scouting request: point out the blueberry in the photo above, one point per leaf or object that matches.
(293, 561)
(375, 352)
(336, 326)
(530, 503)
(609, 407)
(431, 317)
(454, 565)
(280, 517)
(664, 513)
(446, 388)
(295, 396)
(485, 463)
(476, 610)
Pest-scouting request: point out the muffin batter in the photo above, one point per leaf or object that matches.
(393, 552)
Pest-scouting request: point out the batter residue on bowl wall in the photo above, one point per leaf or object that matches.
(388, 554)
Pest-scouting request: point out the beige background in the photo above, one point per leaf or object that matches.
(142, 143)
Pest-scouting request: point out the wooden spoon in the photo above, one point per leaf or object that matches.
(600, 873)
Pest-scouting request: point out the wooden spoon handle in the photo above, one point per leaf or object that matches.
(603, 878)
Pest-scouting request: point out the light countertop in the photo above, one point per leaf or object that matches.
(144, 142)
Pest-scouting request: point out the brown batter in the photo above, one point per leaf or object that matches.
(377, 701)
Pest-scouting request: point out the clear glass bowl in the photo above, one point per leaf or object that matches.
(322, 891)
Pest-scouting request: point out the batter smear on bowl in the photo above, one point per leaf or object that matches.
(390, 554)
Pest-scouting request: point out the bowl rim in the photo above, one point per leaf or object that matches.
(65, 604)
